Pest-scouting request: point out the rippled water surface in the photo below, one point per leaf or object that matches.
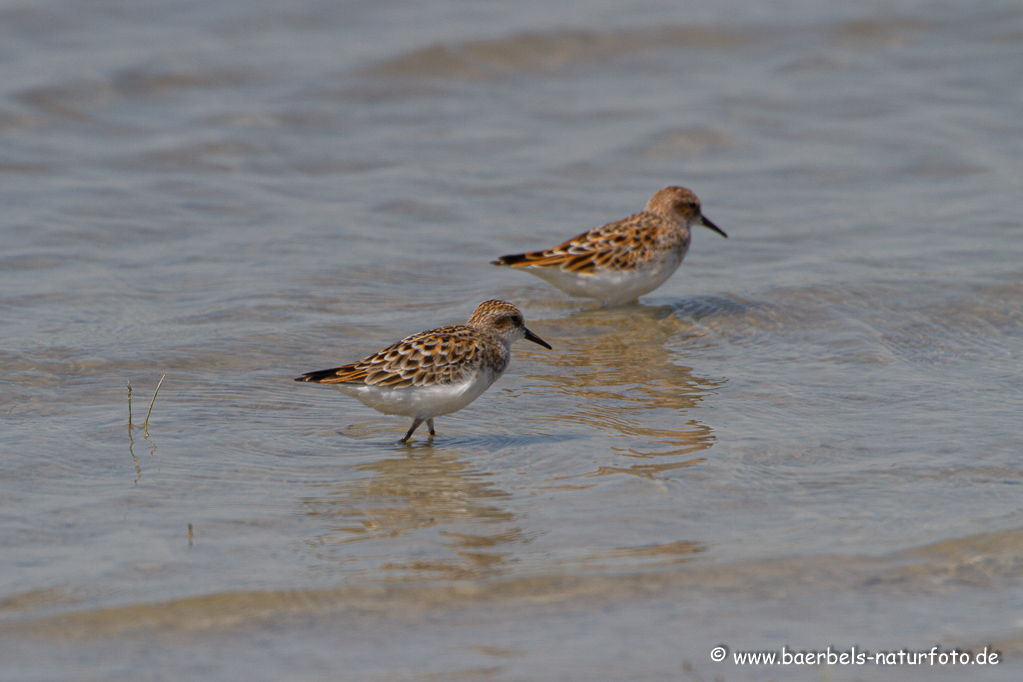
(811, 436)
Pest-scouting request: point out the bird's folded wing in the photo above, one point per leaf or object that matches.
(438, 356)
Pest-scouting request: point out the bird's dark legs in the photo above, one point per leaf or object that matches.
(415, 425)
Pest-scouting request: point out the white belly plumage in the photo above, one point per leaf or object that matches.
(612, 287)
(424, 402)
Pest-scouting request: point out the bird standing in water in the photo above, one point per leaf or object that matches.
(435, 372)
(623, 260)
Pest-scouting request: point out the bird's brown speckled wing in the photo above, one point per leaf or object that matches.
(438, 356)
(622, 245)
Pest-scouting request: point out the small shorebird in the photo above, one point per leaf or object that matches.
(435, 372)
(623, 260)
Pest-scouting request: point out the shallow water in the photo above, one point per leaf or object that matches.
(808, 437)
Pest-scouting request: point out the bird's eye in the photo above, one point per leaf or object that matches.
(516, 320)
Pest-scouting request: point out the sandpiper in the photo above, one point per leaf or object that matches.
(435, 372)
(623, 260)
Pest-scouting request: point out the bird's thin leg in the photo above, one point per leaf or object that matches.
(429, 423)
(415, 425)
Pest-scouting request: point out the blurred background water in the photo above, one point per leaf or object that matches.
(809, 437)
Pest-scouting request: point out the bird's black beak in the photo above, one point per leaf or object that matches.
(707, 223)
(530, 336)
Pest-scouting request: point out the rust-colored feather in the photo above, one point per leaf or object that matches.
(431, 357)
(625, 245)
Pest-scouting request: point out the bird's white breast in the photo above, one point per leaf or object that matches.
(422, 401)
(612, 287)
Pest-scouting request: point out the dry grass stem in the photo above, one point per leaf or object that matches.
(146, 422)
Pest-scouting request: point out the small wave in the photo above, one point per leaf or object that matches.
(686, 141)
(77, 100)
(920, 322)
(983, 560)
(540, 52)
(700, 308)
